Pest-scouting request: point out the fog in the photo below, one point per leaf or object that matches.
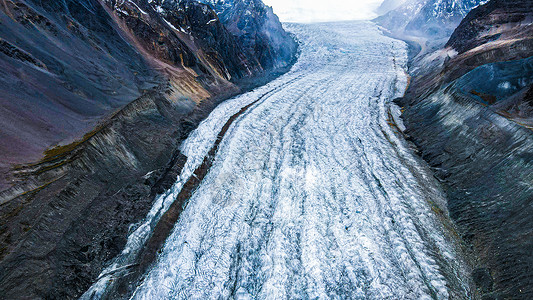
(308, 11)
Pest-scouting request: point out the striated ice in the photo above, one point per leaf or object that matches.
(312, 193)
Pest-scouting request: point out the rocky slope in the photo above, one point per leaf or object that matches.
(468, 109)
(257, 28)
(116, 86)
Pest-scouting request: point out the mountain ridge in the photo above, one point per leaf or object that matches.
(428, 22)
(146, 77)
(468, 109)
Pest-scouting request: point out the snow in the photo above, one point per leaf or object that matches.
(439, 56)
(504, 85)
(172, 26)
(142, 11)
(312, 194)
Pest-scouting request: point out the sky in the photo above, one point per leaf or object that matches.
(306, 11)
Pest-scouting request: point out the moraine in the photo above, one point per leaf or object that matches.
(312, 192)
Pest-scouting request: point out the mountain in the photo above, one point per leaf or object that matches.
(68, 64)
(95, 98)
(257, 28)
(469, 109)
(432, 19)
(499, 37)
(494, 25)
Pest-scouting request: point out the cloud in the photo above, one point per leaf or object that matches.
(307, 11)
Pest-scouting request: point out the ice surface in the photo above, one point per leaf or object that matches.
(312, 194)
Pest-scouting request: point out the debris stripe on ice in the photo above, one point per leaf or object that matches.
(311, 194)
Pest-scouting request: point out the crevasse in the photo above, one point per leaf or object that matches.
(313, 192)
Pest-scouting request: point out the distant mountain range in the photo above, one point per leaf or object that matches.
(434, 19)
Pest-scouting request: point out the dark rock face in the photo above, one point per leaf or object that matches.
(258, 29)
(186, 33)
(120, 84)
(496, 70)
(503, 86)
(497, 20)
(471, 119)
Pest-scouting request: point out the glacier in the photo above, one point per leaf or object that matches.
(313, 191)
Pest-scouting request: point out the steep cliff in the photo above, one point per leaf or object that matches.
(468, 109)
(95, 98)
(257, 28)
(68, 64)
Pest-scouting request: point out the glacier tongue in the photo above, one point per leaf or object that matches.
(313, 194)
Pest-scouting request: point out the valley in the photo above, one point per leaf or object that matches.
(312, 191)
